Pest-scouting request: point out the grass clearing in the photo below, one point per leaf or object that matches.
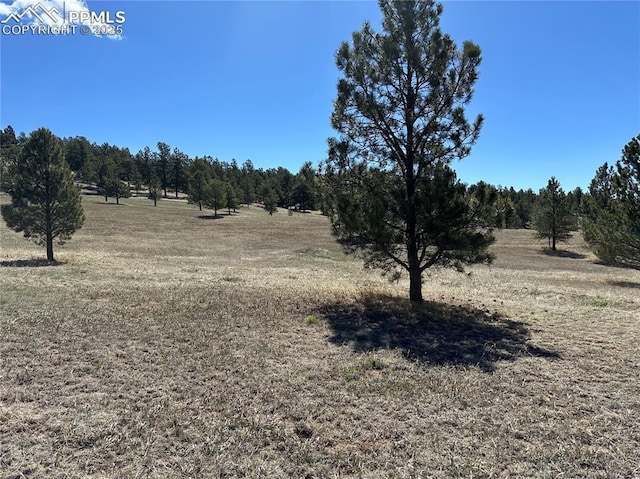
(165, 345)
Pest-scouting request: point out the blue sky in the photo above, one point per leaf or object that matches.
(559, 85)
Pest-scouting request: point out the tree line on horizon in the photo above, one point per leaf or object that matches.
(167, 172)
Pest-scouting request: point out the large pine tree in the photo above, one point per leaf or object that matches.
(401, 121)
(45, 204)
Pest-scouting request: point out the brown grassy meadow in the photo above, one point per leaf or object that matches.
(166, 345)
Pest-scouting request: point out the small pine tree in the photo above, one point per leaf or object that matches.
(214, 195)
(45, 204)
(197, 186)
(303, 196)
(107, 180)
(231, 199)
(553, 218)
(271, 203)
(121, 190)
(155, 190)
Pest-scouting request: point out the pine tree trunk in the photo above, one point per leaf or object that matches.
(413, 261)
(415, 286)
(415, 275)
(50, 248)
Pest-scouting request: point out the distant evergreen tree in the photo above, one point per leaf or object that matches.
(214, 195)
(553, 218)
(121, 190)
(505, 211)
(484, 199)
(197, 185)
(145, 164)
(179, 162)
(304, 192)
(155, 190)
(494, 205)
(115, 169)
(164, 156)
(231, 198)
(45, 203)
(80, 156)
(233, 175)
(303, 197)
(107, 178)
(248, 187)
(9, 151)
(575, 199)
(283, 183)
(271, 202)
(126, 169)
(611, 222)
(524, 201)
(216, 167)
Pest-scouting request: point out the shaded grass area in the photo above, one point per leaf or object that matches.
(625, 284)
(561, 253)
(29, 263)
(433, 333)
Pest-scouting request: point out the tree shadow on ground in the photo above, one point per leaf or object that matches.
(210, 217)
(624, 284)
(562, 253)
(613, 264)
(432, 333)
(29, 263)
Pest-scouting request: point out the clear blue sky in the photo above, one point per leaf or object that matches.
(559, 84)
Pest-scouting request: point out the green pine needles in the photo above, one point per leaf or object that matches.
(611, 221)
(399, 112)
(45, 204)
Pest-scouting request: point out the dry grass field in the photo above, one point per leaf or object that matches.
(169, 345)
